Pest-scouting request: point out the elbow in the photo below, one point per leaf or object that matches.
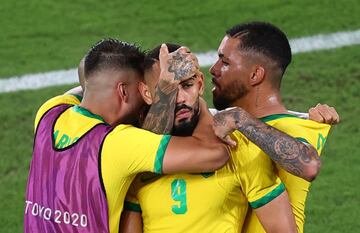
(312, 170)
(222, 157)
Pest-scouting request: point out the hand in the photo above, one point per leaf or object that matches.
(324, 114)
(224, 124)
(176, 66)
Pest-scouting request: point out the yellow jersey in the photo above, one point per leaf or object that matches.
(126, 150)
(211, 202)
(308, 131)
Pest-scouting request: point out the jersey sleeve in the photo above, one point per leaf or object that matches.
(307, 131)
(256, 175)
(58, 100)
(133, 150)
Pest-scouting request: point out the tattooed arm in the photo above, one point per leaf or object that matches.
(160, 118)
(296, 157)
(175, 67)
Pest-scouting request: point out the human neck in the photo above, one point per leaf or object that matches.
(261, 103)
(99, 107)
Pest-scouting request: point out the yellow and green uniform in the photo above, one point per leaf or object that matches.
(126, 150)
(308, 131)
(211, 202)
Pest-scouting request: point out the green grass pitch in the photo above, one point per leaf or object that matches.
(40, 35)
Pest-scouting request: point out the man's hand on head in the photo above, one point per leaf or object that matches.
(176, 67)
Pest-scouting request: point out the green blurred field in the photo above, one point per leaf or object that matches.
(39, 35)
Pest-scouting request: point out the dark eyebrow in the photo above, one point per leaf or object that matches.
(222, 56)
(191, 78)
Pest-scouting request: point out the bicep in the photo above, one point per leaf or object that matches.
(256, 174)
(277, 216)
(130, 222)
(189, 154)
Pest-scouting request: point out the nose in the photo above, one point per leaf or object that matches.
(180, 98)
(214, 69)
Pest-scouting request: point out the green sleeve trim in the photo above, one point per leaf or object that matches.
(268, 197)
(132, 206)
(77, 97)
(276, 116)
(160, 154)
(303, 140)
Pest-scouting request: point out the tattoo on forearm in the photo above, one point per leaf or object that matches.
(160, 117)
(286, 151)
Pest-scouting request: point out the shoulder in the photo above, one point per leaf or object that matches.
(308, 131)
(132, 137)
(58, 100)
(245, 153)
(296, 126)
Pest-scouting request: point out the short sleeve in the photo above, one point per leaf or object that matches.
(256, 174)
(131, 150)
(58, 100)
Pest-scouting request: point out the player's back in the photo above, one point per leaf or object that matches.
(64, 190)
(121, 154)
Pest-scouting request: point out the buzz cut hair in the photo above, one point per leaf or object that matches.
(152, 56)
(114, 54)
(265, 39)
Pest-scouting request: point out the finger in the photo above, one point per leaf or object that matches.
(325, 113)
(183, 49)
(315, 115)
(195, 60)
(335, 115)
(164, 52)
(229, 141)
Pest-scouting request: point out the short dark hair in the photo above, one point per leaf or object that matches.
(114, 54)
(263, 38)
(153, 55)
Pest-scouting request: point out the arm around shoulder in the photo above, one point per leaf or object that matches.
(202, 152)
(191, 154)
(130, 222)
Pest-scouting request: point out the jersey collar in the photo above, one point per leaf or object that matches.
(87, 113)
(275, 117)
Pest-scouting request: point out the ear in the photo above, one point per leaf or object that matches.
(257, 76)
(145, 93)
(122, 91)
(201, 83)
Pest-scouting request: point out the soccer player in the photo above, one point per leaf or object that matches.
(85, 156)
(252, 59)
(214, 202)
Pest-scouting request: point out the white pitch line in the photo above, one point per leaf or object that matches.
(298, 45)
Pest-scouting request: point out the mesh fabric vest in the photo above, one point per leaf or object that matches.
(65, 191)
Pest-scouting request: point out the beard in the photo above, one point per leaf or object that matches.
(228, 95)
(186, 127)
